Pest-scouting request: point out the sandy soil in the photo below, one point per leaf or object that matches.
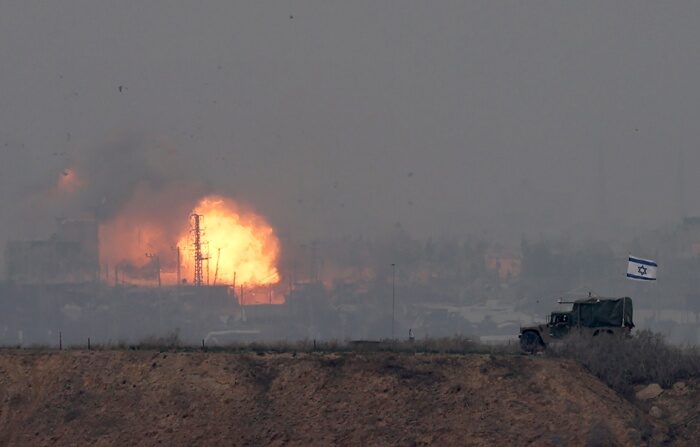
(125, 398)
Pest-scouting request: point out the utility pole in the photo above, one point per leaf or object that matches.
(206, 258)
(314, 271)
(393, 297)
(216, 269)
(602, 188)
(681, 186)
(156, 260)
(179, 279)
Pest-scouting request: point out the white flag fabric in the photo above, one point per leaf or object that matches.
(641, 269)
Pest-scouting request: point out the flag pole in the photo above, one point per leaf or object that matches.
(622, 323)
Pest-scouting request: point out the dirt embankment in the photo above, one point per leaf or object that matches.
(183, 399)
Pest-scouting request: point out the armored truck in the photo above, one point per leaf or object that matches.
(590, 317)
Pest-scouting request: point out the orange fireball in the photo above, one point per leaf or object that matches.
(235, 242)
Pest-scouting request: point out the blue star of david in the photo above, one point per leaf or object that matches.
(642, 270)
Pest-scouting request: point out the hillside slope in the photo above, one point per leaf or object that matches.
(189, 398)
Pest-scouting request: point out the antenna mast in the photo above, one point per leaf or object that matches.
(216, 270)
(198, 258)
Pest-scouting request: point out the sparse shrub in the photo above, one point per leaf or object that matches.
(600, 435)
(170, 341)
(447, 345)
(643, 427)
(331, 362)
(624, 362)
(444, 345)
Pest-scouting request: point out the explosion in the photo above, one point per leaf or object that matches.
(237, 246)
(145, 240)
(141, 228)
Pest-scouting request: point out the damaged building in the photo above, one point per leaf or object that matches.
(70, 255)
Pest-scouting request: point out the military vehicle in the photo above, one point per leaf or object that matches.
(590, 317)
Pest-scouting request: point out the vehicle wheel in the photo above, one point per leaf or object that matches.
(531, 342)
(603, 332)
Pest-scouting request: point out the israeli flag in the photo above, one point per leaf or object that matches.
(641, 269)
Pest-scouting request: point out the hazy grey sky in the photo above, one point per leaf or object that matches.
(345, 117)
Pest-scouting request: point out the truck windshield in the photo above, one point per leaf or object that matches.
(559, 318)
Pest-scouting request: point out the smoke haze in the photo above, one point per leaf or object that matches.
(471, 152)
(345, 118)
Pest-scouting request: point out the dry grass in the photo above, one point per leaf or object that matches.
(445, 345)
(624, 362)
(254, 398)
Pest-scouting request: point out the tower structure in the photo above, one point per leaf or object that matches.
(198, 257)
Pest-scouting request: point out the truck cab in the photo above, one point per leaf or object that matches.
(559, 324)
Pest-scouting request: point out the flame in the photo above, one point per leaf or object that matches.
(143, 227)
(235, 241)
(122, 241)
(144, 240)
(68, 181)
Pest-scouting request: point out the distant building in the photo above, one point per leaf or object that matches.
(71, 255)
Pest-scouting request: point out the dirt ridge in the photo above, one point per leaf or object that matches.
(105, 398)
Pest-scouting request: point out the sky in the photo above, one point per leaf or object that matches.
(335, 118)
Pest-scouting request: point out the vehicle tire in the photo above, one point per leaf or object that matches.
(531, 342)
(603, 332)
